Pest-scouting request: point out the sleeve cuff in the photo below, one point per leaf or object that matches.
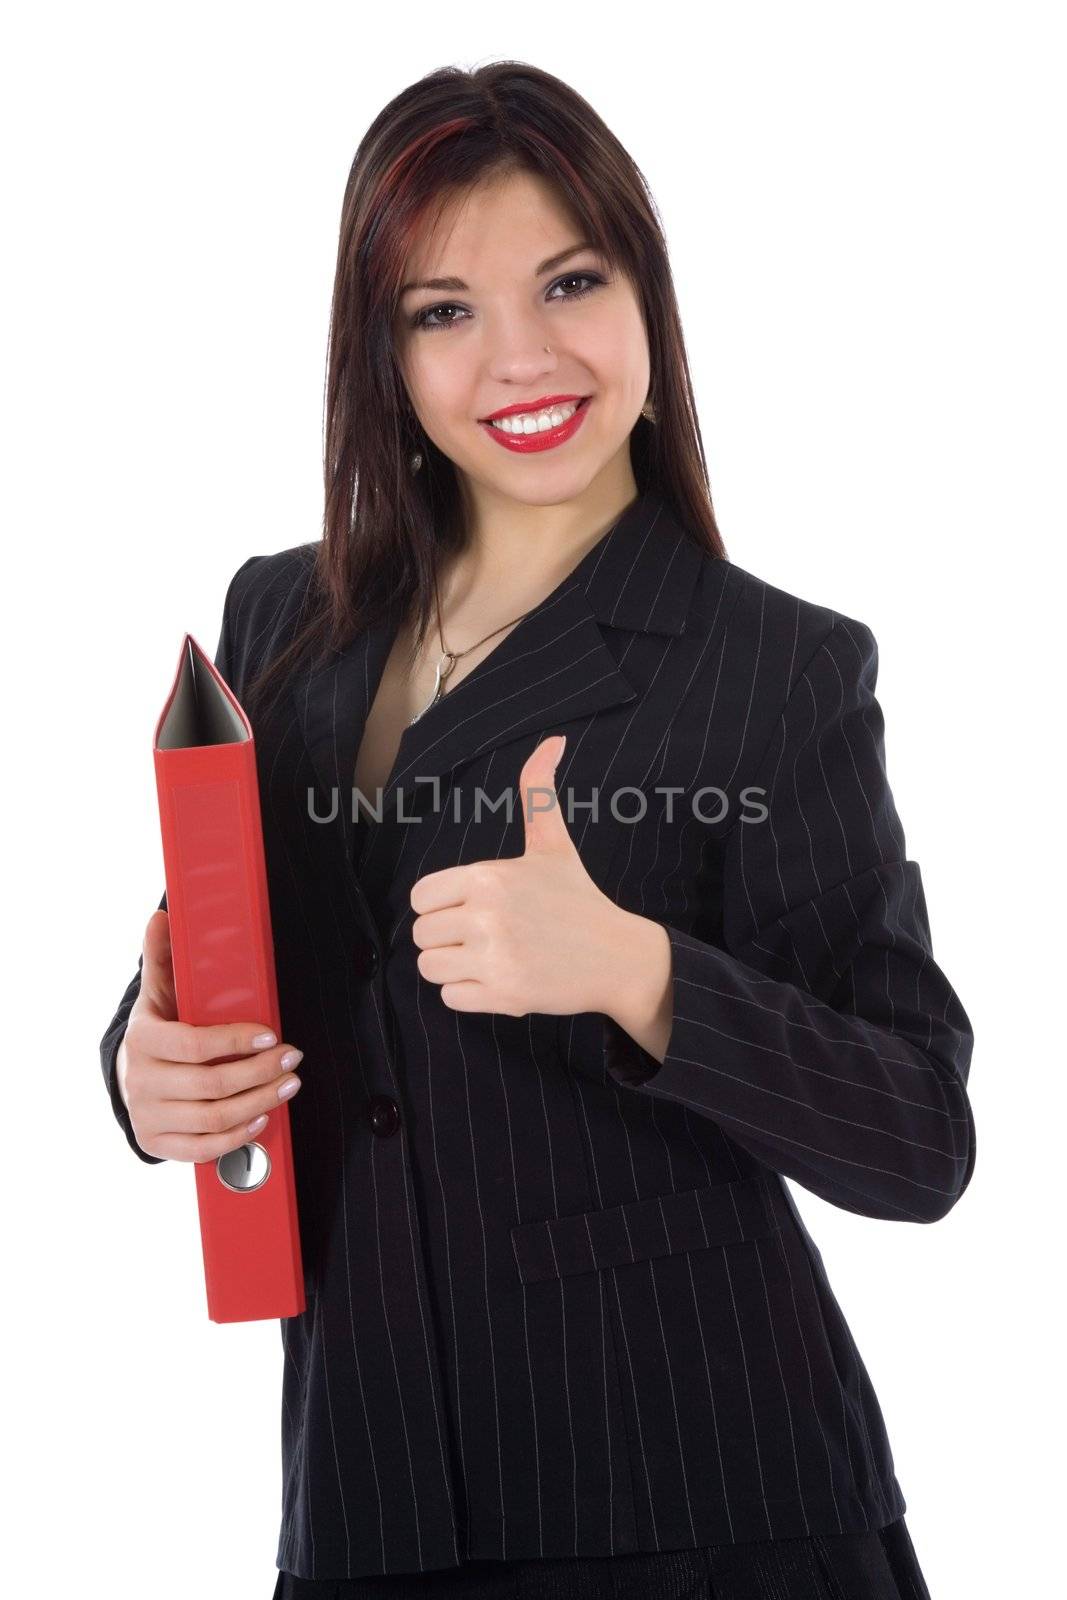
(624, 1059)
(110, 1050)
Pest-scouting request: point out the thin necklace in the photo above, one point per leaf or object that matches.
(450, 657)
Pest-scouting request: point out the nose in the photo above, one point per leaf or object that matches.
(520, 352)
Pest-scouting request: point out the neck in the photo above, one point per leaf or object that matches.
(515, 552)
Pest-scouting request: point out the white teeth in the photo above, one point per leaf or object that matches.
(536, 421)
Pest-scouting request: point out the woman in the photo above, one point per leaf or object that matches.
(566, 1332)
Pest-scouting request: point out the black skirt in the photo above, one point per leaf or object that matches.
(879, 1565)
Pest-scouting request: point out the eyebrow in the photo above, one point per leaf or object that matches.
(457, 286)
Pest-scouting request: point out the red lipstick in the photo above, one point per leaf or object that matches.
(546, 439)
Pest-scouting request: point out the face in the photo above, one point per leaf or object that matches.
(475, 345)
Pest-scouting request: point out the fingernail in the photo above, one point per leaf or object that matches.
(288, 1088)
(257, 1126)
(263, 1041)
(291, 1058)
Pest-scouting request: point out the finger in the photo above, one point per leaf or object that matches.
(447, 887)
(450, 926)
(201, 1043)
(473, 996)
(448, 964)
(543, 822)
(214, 1118)
(173, 1081)
(157, 971)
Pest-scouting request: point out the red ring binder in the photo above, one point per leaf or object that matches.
(223, 953)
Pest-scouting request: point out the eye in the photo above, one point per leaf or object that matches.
(591, 278)
(421, 319)
(427, 317)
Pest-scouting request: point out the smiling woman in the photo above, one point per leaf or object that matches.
(566, 1332)
(489, 272)
(545, 368)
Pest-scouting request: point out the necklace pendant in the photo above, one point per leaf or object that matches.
(442, 672)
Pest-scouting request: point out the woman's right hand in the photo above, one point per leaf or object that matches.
(181, 1107)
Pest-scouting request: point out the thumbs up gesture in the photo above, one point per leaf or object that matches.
(525, 933)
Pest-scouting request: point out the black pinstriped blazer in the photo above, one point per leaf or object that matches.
(559, 1299)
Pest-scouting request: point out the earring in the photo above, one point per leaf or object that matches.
(547, 350)
(414, 460)
(648, 410)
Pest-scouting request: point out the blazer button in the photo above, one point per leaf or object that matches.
(369, 963)
(383, 1115)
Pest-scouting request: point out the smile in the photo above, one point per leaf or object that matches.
(539, 430)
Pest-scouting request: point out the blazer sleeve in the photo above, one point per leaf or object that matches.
(824, 1039)
(116, 1028)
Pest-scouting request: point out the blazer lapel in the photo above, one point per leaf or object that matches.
(554, 666)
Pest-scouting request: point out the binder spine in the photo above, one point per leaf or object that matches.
(223, 955)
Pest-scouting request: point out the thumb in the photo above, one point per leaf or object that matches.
(157, 971)
(542, 815)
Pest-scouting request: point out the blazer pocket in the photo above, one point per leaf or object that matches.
(638, 1230)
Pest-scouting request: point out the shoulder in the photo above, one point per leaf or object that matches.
(776, 659)
(261, 576)
(771, 637)
(265, 588)
(263, 607)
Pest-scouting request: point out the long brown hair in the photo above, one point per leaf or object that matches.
(385, 528)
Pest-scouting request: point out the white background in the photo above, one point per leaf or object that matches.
(863, 207)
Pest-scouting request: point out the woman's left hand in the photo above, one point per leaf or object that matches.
(525, 933)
